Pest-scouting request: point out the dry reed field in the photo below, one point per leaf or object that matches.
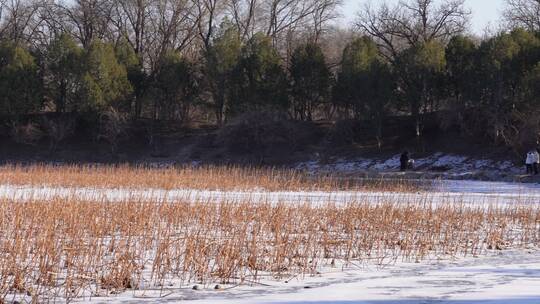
(205, 177)
(64, 250)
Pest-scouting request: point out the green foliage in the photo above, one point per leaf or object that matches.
(491, 85)
(221, 59)
(358, 56)
(365, 83)
(176, 87)
(105, 81)
(259, 82)
(91, 95)
(224, 51)
(20, 85)
(420, 72)
(86, 80)
(311, 80)
(504, 61)
(64, 72)
(532, 85)
(506, 67)
(127, 57)
(461, 70)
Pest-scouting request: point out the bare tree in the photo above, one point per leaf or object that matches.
(16, 17)
(412, 22)
(87, 19)
(323, 13)
(131, 21)
(286, 15)
(173, 26)
(47, 24)
(523, 13)
(244, 13)
(2, 7)
(334, 42)
(34, 23)
(209, 12)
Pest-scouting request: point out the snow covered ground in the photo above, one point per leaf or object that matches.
(442, 192)
(508, 276)
(499, 278)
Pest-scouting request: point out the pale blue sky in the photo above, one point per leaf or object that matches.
(485, 12)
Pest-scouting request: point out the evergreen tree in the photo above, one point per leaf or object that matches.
(532, 86)
(20, 84)
(135, 73)
(358, 57)
(105, 82)
(365, 83)
(421, 72)
(64, 72)
(505, 61)
(176, 88)
(259, 80)
(461, 73)
(310, 80)
(221, 60)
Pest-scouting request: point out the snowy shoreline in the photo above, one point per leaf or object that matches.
(435, 166)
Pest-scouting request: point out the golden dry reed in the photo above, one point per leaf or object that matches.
(61, 250)
(186, 177)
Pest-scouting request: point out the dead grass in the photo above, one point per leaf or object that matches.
(66, 249)
(205, 177)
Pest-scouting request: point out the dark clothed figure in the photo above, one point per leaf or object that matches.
(529, 168)
(404, 161)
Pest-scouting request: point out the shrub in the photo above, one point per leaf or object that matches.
(112, 125)
(57, 129)
(26, 133)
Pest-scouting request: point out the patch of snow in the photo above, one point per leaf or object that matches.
(392, 163)
(507, 277)
(426, 161)
(449, 160)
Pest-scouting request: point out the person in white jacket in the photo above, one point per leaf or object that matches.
(529, 162)
(536, 159)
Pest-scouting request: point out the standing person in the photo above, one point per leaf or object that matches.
(529, 162)
(536, 163)
(404, 161)
(410, 166)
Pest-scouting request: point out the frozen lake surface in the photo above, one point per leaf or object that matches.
(441, 192)
(511, 276)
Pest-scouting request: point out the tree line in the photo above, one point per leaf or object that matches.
(176, 60)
